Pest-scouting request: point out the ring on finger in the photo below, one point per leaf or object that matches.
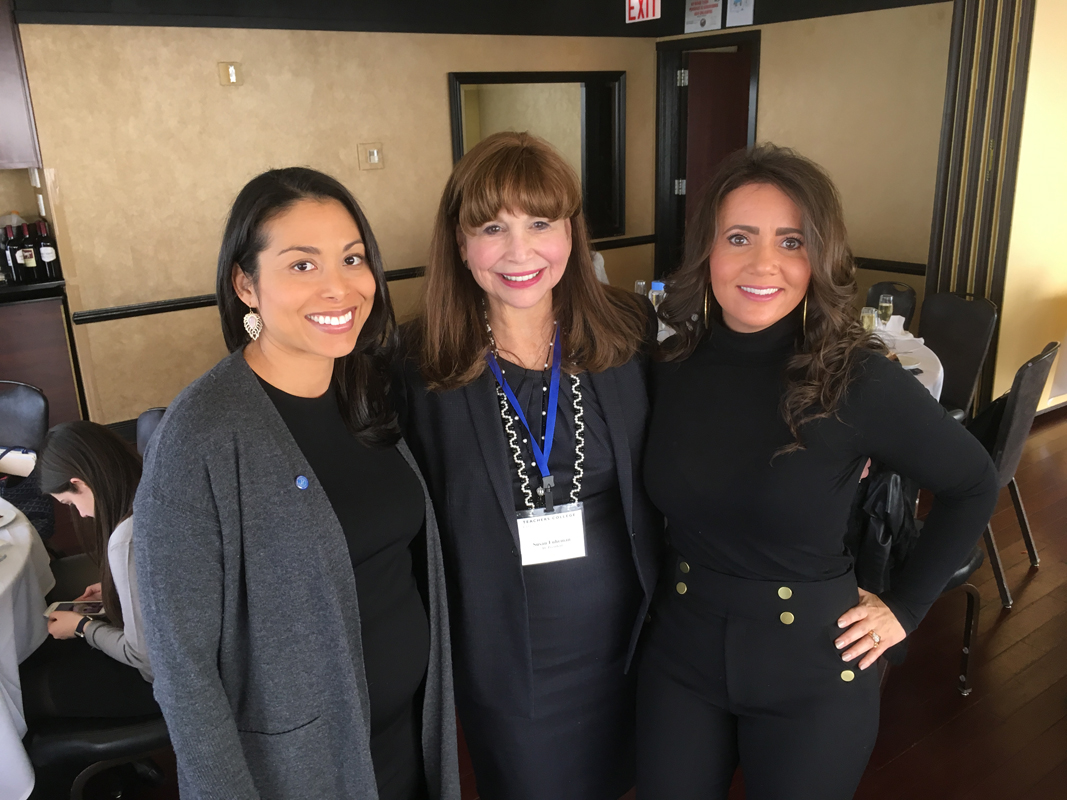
(876, 637)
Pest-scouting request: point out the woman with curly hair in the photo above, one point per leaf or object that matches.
(766, 406)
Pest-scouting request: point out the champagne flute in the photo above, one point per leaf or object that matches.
(868, 316)
(885, 308)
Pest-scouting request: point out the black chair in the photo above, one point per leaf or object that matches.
(959, 329)
(903, 298)
(1003, 427)
(23, 415)
(23, 424)
(146, 426)
(66, 753)
(960, 579)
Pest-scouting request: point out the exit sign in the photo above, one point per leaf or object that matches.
(641, 10)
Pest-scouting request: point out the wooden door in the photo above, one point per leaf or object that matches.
(718, 116)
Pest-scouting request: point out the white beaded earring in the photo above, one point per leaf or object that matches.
(253, 323)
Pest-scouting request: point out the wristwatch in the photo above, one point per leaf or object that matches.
(80, 630)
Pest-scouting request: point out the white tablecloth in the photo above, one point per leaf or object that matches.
(904, 344)
(24, 581)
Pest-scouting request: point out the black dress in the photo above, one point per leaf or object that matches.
(741, 663)
(379, 503)
(579, 739)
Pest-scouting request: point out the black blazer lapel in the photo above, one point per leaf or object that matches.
(607, 390)
(485, 414)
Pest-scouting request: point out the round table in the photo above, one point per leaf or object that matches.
(932, 375)
(25, 579)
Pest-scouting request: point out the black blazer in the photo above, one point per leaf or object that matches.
(458, 440)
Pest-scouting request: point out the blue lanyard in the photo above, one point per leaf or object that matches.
(540, 456)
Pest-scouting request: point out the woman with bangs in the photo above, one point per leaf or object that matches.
(527, 408)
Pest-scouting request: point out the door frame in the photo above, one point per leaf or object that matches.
(671, 119)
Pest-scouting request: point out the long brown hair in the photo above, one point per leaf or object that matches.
(832, 341)
(111, 469)
(603, 327)
(362, 376)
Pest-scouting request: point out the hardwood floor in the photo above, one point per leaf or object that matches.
(1008, 739)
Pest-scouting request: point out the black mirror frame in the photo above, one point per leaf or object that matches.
(608, 216)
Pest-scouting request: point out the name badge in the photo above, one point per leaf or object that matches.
(551, 536)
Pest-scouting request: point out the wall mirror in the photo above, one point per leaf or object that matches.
(583, 114)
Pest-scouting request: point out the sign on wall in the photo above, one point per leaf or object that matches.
(739, 13)
(642, 10)
(703, 15)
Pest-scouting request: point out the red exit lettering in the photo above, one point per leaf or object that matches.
(641, 10)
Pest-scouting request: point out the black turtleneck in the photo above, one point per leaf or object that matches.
(733, 507)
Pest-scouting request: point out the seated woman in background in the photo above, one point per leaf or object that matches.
(527, 409)
(291, 569)
(766, 406)
(90, 469)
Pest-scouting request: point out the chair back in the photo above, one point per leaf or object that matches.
(1020, 410)
(146, 426)
(959, 329)
(903, 298)
(23, 415)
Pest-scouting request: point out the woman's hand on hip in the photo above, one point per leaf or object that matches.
(869, 616)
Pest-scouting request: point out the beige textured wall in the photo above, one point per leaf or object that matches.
(16, 194)
(552, 111)
(1035, 293)
(862, 94)
(148, 150)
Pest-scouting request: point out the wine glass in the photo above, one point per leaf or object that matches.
(885, 308)
(869, 317)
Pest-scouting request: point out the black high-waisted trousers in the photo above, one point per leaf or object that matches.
(743, 671)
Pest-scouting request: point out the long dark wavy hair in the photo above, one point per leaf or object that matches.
(363, 375)
(832, 341)
(111, 469)
(603, 326)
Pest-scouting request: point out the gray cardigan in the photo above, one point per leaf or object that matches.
(250, 612)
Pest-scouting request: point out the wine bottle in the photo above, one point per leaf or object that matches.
(27, 257)
(12, 247)
(5, 270)
(47, 256)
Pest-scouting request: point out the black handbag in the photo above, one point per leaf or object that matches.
(25, 495)
(882, 530)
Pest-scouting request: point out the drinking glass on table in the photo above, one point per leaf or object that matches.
(641, 288)
(869, 318)
(885, 308)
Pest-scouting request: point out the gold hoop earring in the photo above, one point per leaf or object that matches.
(804, 318)
(707, 323)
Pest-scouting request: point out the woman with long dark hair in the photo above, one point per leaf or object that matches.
(766, 406)
(87, 467)
(527, 409)
(291, 569)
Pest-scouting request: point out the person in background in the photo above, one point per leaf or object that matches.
(766, 406)
(87, 467)
(291, 569)
(527, 409)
